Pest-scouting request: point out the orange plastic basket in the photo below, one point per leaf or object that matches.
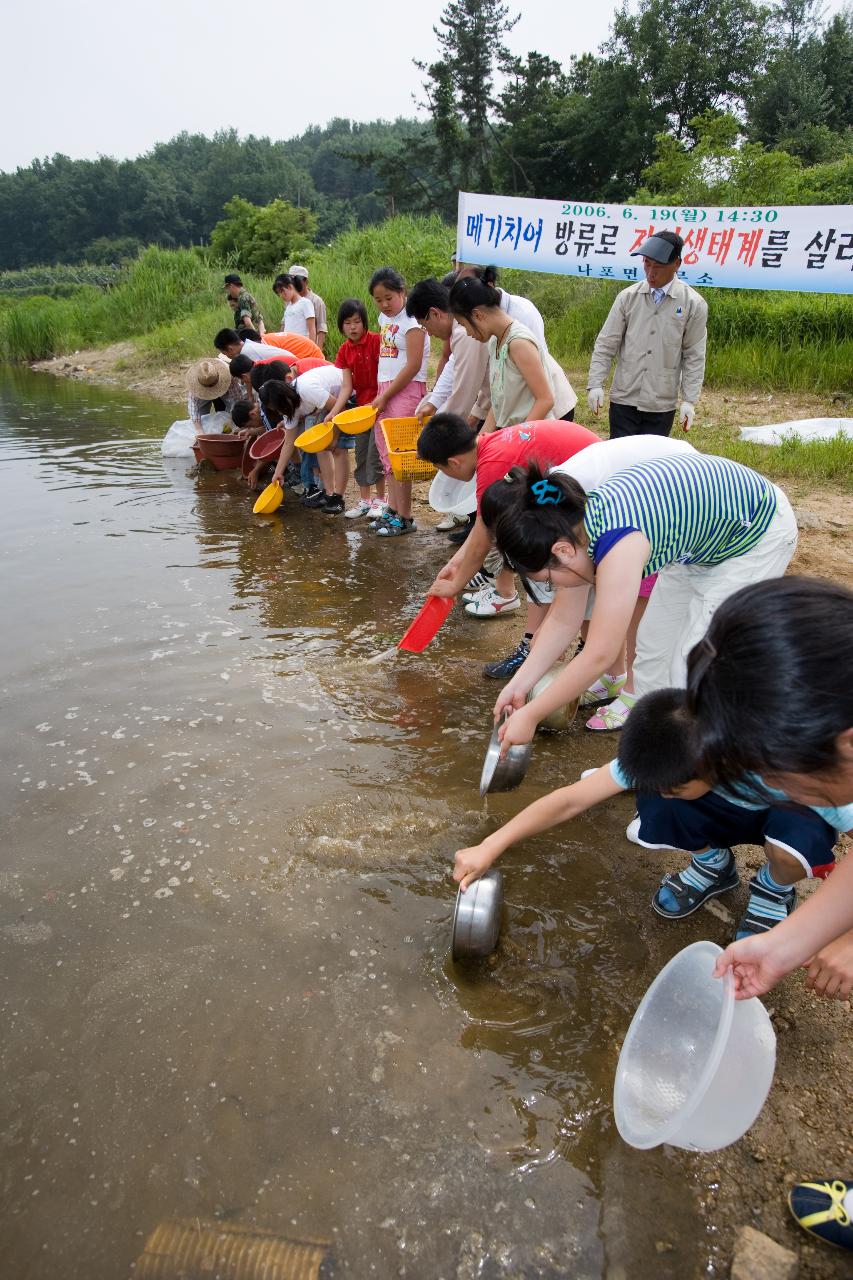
(401, 437)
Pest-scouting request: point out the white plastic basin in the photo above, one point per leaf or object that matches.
(696, 1065)
(453, 497)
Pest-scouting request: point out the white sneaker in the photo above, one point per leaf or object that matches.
(476, 585)
(450, 522)
(490, 604)
(361, 508)
(378, 507)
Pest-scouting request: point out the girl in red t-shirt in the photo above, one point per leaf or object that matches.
(358, 359)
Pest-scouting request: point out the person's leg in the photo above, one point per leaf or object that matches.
(624, 421)
(799, 845)
(655, 424)
(382, 450)
(327, 470)
(340, 458)
(362, 445)
(707, 828)
(613, 716)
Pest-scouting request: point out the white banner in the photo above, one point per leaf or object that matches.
(807, 247)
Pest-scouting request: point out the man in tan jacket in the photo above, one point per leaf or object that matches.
(657, 331)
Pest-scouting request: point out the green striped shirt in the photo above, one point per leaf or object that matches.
(693, 509)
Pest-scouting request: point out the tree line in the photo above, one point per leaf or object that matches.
(721, 101)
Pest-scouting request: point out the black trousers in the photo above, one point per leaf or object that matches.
(626, 420)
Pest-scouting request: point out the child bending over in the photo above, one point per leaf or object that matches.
(659, 758)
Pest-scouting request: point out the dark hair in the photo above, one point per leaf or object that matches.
(444, 436)
(269, 371)
(281, 281)
(449, 281)
(249, 335)
(771, 684)
(535, 509)
(671, 237)
(425, 295)
(300, 284)
(226, 338)
(240, 365)
(280, 398)
(240, 413)
(659, 747)
(352, 307)
(233, 278)
(389, 277)
(468, 293)
(488, 275)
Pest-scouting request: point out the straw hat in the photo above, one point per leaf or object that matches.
(208, 379)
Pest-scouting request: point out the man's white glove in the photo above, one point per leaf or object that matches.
(595, 399)
(686, 414)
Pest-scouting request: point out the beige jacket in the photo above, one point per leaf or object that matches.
(464, 378)
(659, 350)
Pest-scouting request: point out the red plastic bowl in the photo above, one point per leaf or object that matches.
(223, 452)
(267, 445)
(432, 615)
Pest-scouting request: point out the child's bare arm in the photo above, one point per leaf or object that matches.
(343, 395)
(547, 812)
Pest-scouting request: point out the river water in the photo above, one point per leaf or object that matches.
(225, 897)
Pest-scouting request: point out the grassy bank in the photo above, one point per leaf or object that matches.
(170, 304)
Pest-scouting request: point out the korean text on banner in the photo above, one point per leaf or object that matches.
(806, 247)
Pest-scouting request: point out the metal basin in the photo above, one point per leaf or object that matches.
(560, 717)
(506, 774)
(477, 918)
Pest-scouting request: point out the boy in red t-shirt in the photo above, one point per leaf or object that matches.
(358, 357)
(455, 449)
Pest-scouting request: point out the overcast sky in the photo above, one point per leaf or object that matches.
(95, 78)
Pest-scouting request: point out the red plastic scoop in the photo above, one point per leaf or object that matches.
(427, 624)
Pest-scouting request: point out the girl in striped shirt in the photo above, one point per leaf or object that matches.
(706, 525)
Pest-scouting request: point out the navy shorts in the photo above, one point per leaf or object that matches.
(716, 822)
(344, 441)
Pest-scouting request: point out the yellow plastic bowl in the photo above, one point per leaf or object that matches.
(315, 439)
(354, 421)
(270, 500)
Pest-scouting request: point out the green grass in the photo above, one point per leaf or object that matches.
(822, 462)
(170, 303)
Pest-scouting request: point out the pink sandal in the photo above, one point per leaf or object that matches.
(612, 717)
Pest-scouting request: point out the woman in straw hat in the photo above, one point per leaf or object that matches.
(210, 386)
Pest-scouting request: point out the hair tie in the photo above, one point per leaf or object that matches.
(546, 493)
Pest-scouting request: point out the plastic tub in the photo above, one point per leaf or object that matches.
(401, 438)
(267, 445)
(225, 453)
(453, 497)
(355, 421)
(696, 1065)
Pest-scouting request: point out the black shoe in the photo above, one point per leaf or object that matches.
(315, 500)
(459, 535)
(507, 667)
(334, 505)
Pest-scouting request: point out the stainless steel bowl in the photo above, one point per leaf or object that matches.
(506, 774)
(477, 918)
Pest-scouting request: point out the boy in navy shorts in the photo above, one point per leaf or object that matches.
(677, 809)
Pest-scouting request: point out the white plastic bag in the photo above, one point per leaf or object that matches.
(805, 429)
(178, 440)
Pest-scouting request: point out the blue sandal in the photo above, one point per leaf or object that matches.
(688, 897)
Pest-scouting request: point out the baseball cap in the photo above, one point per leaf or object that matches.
(296, 270)
(660, 249)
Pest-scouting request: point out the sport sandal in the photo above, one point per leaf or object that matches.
(687, 896)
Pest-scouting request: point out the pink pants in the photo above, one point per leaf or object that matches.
(402, 405)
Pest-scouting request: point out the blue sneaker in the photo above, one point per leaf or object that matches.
(824, 1210)
(507, 667)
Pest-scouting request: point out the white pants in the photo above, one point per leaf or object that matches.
(686, 596)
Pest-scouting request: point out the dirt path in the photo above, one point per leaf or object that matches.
(804, 1131)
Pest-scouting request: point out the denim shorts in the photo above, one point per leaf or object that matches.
(344, 441)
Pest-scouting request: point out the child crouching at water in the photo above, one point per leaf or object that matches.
(403, 357)
(660, 760)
